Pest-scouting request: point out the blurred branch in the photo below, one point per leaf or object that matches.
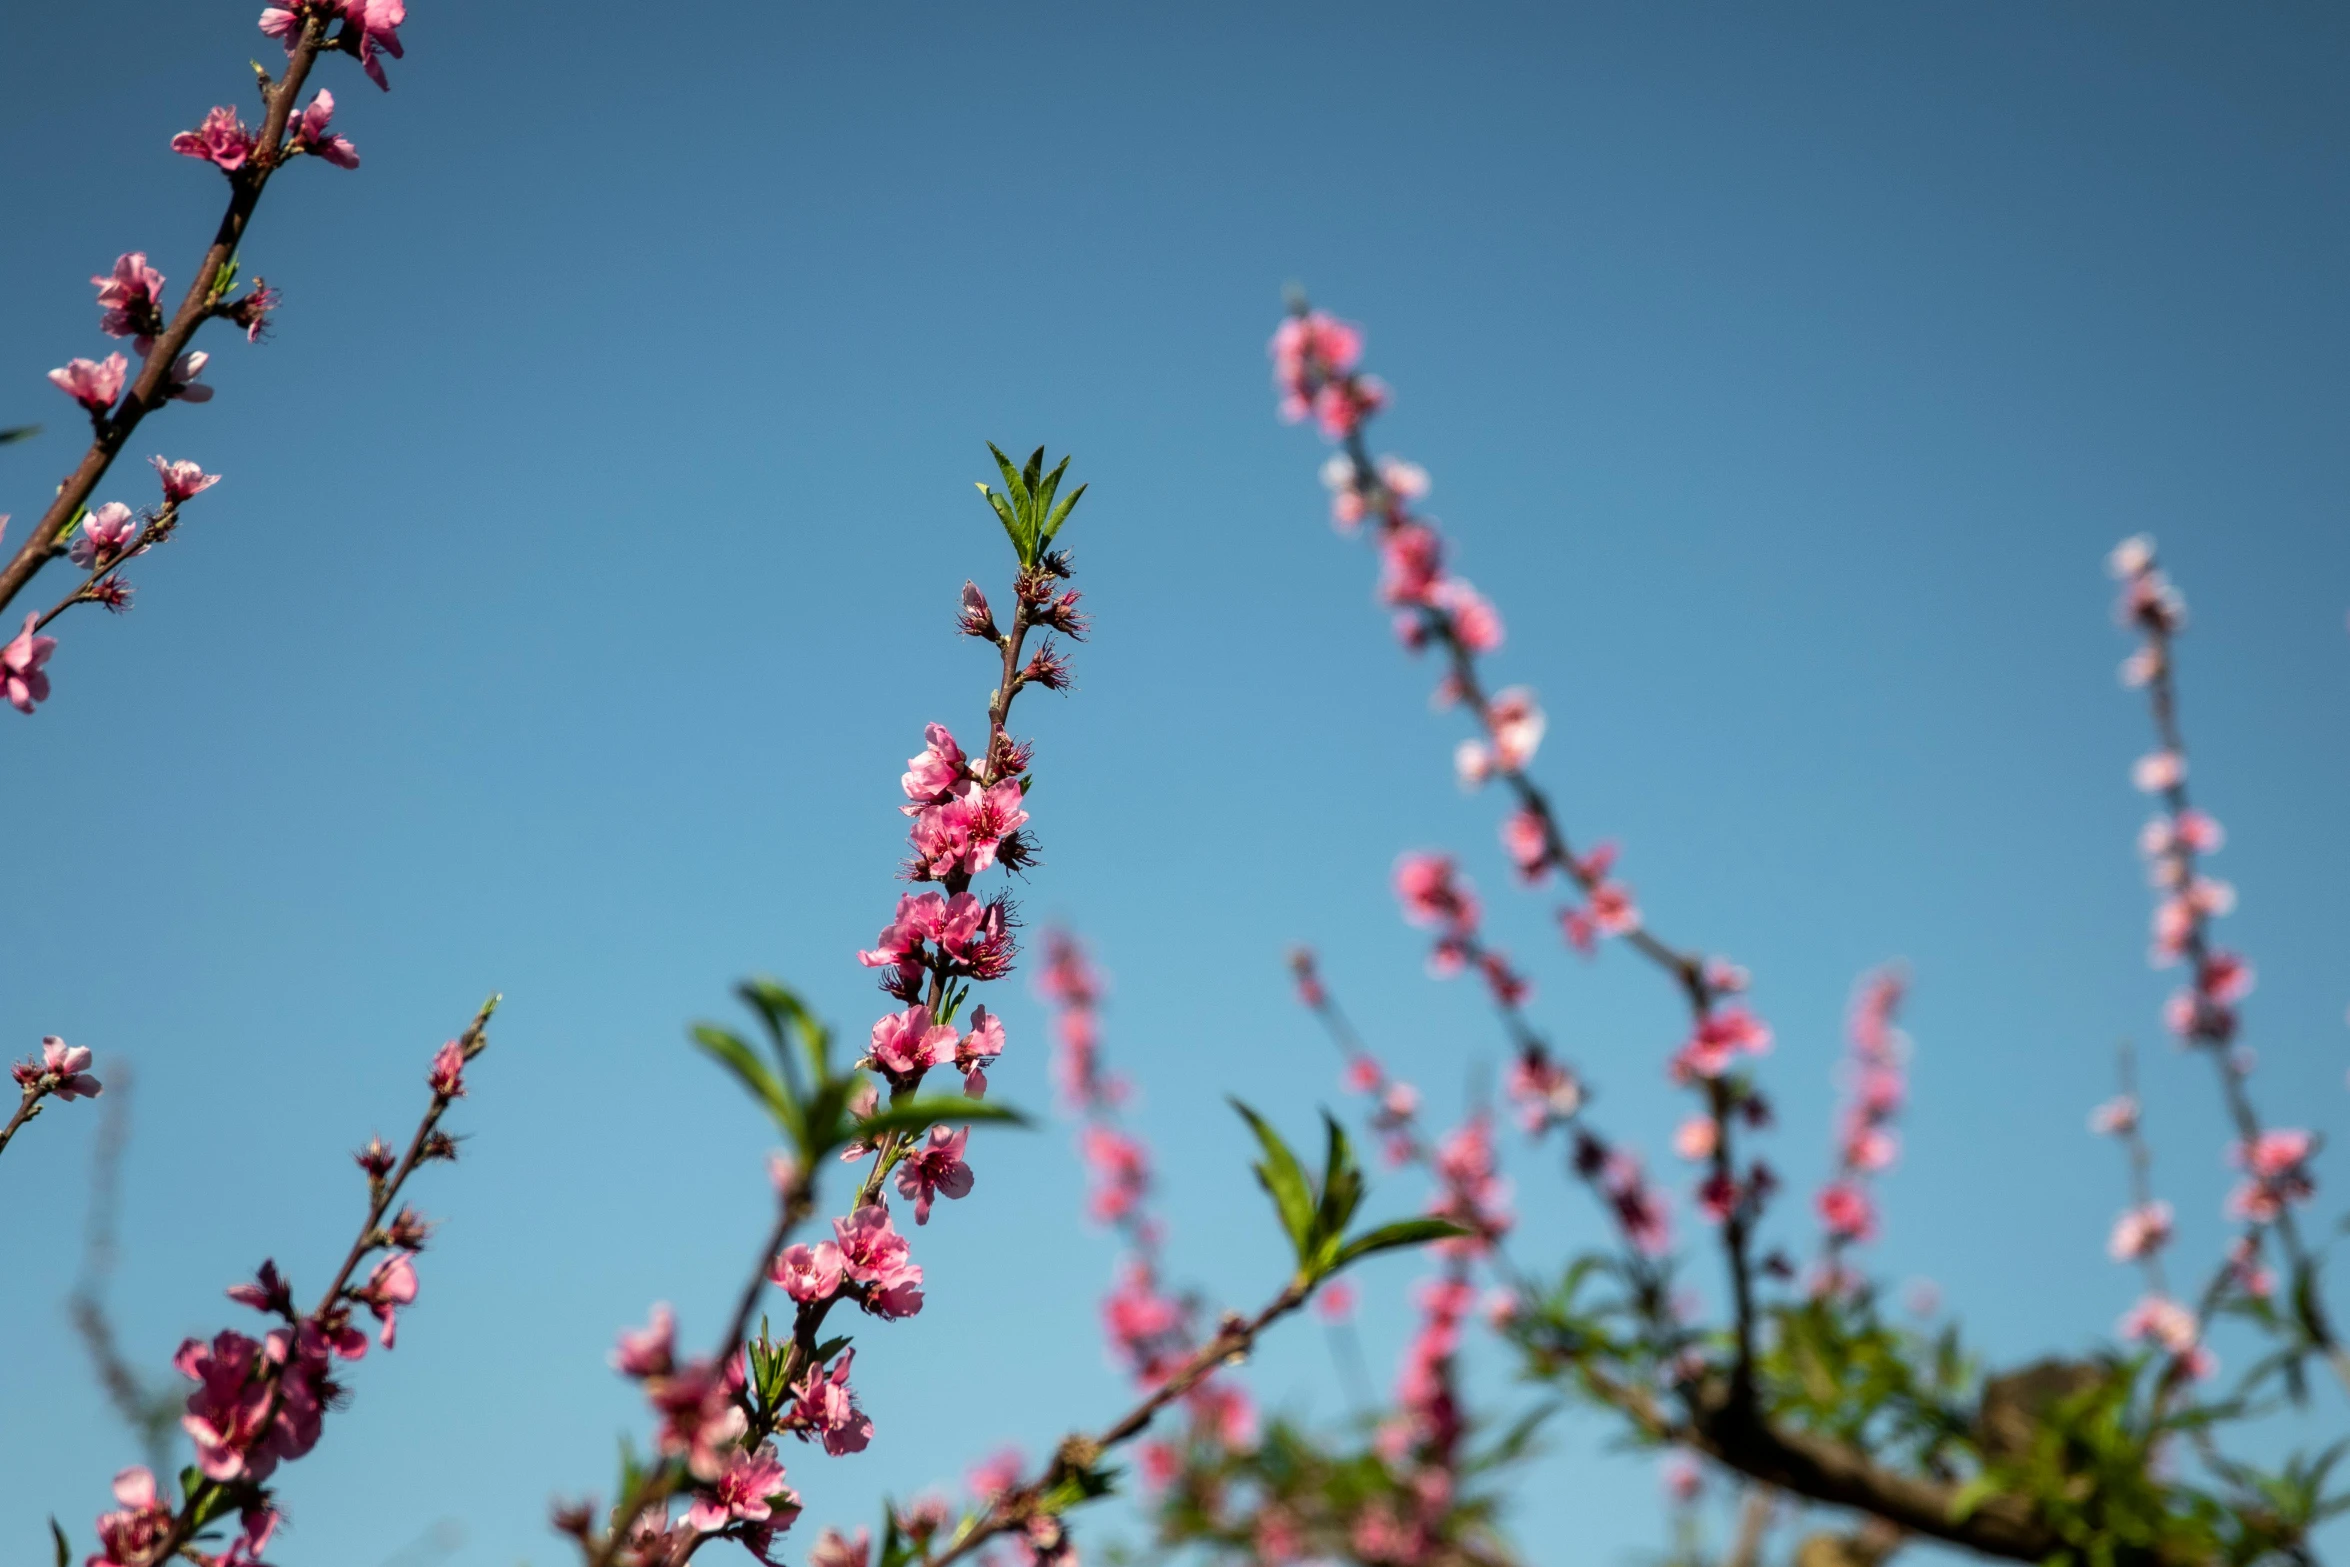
(151, 1412)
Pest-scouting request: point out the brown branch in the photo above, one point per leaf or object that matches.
(1013, 1508)
(152, 387)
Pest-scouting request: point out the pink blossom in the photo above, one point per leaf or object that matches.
(1681, 1478)
(1517, 725)
(105, 536)
(228, 1414)
(1121, 1172)
(1406, 481)
(1335, 1301)
(967, 831)
(748, 1490)
(2245, 1268)
(131, 1535)
(2116, 1117)
(1719, 1038)
(833, 1549)
(1523, 836)
(2160, 1320)
(182, 384)
(875, 1255)
(377, 23)
(1697, 1138)
(1474, 619)
(93, 384)
(391, 1286)
(1723, 977)
(975, 619)
(447, 1077)
(937, 1170)
(130, 300)
(1543, 1090)
(907, 1044)
(826, 1410)
(1143, 1326)
(995, 1474)
(1846, 1212)
(700, 1418)
(311, 135)
(222, 139)
(2140, 1232)
(976, 1051)
(934, 772)
(809, 1273)
(649, 1351)
(60, 1068)
(1433, 892)
(2158, 770)
(2277, 1174)
(182, 480)
(2131, 556)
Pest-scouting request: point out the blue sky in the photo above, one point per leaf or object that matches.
(585, 567)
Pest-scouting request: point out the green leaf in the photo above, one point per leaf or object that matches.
(830, 1347)
(1342, 1184)
(22, 432)
(1390, 1237)
(1972, 1495)
(64, 1551)
(739, 1059)
(1285, 1179)
(912, 1115)
(1053, 523)
(784, 1015)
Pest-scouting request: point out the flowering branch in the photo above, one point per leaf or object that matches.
(260, 1403)
(60, 1070)
(2203, 1014)
(1315, 359)
(131, 301)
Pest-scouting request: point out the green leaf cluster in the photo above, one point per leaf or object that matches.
(1027, 506)
(1314, 1213)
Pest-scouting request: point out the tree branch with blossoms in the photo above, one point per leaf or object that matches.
(262, 1402)
(60, 1071)
(130, 301)
(718, 1415)
(2204, 1014)
(1818, 1397)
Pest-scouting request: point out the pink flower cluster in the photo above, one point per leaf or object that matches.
(1314, 358)
(1874, 1088)
(1608, 908)
(370, 28)
(1070, 985)
(1471, 1191)
(1435, 895)
(736, 1488)
(2172, 1328)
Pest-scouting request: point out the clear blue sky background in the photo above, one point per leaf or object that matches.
(585, 566)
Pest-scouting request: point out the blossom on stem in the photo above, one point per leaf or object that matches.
(95, 384)
(2159, 1320)
(130, 300)
(1846, 1212)
(2140, 1232)
(310, 133)
(701, 1420)
(649, 1351)
(749, 1490)
(1716, 1042)
(876, 1256)
(132, 1534)
(447, 1077)
(222, 139)
(391, 1286)
(834, 1549)
(907, 1044)
(826, 1410)
(60, 1069)
(2276, 1169)
(105, 536)
(935, 1170)
(181, 383)
(2117, 1117)
(182, 480)
(809, 1273)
